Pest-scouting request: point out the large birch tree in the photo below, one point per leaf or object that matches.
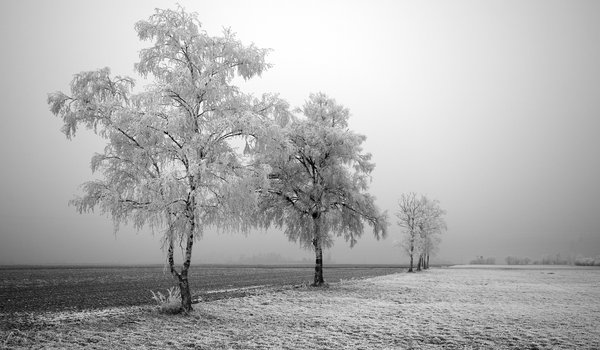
(169, 161)
(319, 181)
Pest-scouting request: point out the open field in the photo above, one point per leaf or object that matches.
(62, 288)
(456, 308)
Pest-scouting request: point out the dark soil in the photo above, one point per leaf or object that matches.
(26, 289)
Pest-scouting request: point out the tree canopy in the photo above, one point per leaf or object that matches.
(169, 161)
(422, 220)
(319, 179)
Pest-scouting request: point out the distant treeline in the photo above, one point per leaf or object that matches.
(588, 261)
(545, 260)
(276, 258)
(480, 260)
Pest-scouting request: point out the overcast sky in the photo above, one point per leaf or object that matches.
(491, 107)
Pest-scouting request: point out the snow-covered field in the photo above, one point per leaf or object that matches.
(455, 308)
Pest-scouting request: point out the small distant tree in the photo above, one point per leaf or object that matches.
(410, 214)
(319, 179)
(430, 227)
(169, 161)
(423, 221)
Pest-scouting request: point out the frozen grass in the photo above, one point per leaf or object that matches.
(168, 303)
(437, 309)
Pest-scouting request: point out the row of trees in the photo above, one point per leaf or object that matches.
(423, 221)
(171, 160)
(192, 151)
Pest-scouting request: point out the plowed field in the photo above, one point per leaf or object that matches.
(82, 288)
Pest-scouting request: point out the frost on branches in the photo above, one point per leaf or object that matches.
(169, 161)
(423, 221)
(319, 180)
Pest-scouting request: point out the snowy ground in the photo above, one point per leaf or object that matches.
(459, 308)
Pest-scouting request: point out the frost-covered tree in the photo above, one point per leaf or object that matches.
(430, 228)
(410, 211)
(169, 161)
(421, 220)
(319, 181)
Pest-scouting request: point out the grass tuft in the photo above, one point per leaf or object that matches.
(168, 304)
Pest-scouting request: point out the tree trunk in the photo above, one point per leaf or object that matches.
(182, 278)
(319, 281)
(171, 259)
(420, 262)
(410, 269)
(427, 261)
(184, 286)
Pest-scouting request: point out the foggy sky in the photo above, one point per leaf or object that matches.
(491, 107)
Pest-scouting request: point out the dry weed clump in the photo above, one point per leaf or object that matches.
(168, 304)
